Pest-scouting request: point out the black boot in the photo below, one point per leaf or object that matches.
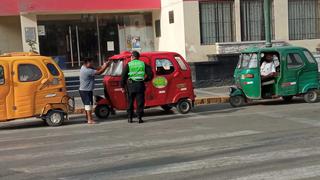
(130, 120)
(112, 111)
(140, 120)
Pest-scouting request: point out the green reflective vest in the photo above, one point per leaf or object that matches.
(136, 70)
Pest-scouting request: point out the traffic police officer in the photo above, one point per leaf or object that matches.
(134, 76)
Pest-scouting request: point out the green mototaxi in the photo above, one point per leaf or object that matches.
(296, 74)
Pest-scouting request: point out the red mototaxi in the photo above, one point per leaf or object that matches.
(170, 87)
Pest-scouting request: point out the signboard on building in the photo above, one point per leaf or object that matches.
(41, 30)
(30, 34)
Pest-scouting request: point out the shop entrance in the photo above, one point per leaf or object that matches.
(69, 39)
(71, 42)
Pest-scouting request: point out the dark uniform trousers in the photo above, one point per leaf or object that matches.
(136, 91)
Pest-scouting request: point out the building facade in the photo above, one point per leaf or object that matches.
(71, 30)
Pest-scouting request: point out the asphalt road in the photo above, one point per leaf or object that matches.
(269, 141)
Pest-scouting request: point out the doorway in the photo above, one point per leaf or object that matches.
(69, 42)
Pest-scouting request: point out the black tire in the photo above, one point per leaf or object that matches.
(102, 111)
(166, 107)
(184, 106)
(287, 99)
(54, 118)
(237, 101)
(311, 96)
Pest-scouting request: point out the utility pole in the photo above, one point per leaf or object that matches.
(267, 22)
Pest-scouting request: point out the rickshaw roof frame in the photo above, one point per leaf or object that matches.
(17, 54)
(278, 49)
(22, 56)
(127, 54)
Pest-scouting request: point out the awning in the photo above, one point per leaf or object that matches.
(15, 7)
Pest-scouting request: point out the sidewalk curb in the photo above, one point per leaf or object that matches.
(198, 101)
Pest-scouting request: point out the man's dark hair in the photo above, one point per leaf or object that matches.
(87, 60)
(136, 54)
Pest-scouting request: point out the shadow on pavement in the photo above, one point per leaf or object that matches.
(151, 115)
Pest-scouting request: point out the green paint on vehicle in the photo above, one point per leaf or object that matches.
(160, 82)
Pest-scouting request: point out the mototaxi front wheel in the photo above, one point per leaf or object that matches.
(237, 101)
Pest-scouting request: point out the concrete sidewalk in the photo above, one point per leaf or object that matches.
(211, 95)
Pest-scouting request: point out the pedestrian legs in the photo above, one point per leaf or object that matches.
(130, 110)
(140, 105)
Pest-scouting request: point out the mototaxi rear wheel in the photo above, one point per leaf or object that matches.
(54, 118)
(184, 106)
(311, 96)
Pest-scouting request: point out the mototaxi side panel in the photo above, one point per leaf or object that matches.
(172, 80)
(116, 95)
(296, 74)
(53, 89)
(33, 86)
(247, 75)
(5, 84)
(171, 85)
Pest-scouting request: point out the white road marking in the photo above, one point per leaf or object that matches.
(312, 122)
(205, 164)
(94, 162)
(286, 174)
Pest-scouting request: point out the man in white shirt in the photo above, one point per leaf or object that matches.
(268, 68)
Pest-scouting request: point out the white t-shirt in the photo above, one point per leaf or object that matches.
(267, 68)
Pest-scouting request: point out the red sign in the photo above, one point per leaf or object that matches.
(14, 7)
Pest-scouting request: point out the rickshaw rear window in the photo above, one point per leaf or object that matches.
(115, 68)
(1, 75)
(309, 57)
(181, 63)
(248, 60)
(53, 70)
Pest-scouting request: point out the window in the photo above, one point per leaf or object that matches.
(181, 63)
(252, 20)
(249, 60)
(309, 56)
(164, 67)
(29, 73)
(294, 60)
(53, 70)
(171, 17)
(158, 28)
(1, 75)
(304, 19)
(115, 68)
(217, 21)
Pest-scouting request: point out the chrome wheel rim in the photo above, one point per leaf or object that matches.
(184, 106)
(56, 118)
(312, 96)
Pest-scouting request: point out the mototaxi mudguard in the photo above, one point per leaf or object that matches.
(101, 101)
(234, 91)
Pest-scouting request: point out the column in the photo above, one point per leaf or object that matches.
(237, 16)
(29, 32)
(281, 21)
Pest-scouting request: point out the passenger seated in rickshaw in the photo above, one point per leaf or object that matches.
(268, 68)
